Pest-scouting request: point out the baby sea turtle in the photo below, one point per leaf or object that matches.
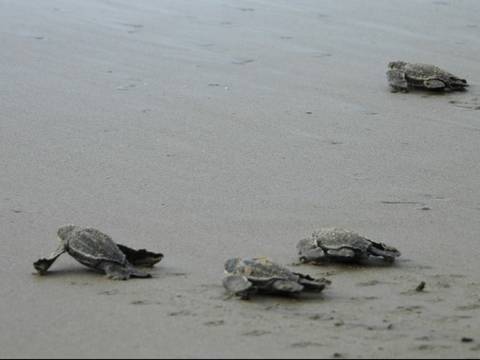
(402, 76)
(333, 244)
(97, 250)
(246, 277)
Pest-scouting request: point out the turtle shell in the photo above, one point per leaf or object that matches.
(418, 74)
(92, 247)
(336, 239)
(422, 72)
(258, 269)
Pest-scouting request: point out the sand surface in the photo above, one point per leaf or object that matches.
(220, 128)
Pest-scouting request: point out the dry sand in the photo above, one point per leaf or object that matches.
(211, 129)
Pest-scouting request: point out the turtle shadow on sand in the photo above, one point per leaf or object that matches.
(427, 93)
(277, 300)
(74, 273)
(359, 265)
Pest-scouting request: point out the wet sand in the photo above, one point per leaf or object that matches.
(207, 130)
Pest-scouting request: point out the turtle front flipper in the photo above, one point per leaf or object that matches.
(311, 284)
(434, 84)
(122, 272)
(344, 253)
(287, 286)
(42, 265)
(238, 285)
(397, 80)
(140, 257)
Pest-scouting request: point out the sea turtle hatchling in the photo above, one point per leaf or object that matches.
(97, 250)
(402, 76)
(333, 244)
(246, 277)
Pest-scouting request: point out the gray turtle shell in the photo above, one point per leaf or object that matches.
(336, 238)
(423, 72)
(260, 269)
(92, 247)
(417, 74)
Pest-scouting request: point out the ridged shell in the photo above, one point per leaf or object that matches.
(93, 246)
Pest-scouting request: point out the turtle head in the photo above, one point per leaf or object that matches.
(231, 265)
(64, 231)
(396, 65)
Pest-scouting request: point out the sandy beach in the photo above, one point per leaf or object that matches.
(212, 129)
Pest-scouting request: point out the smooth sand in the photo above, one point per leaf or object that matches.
(212, 129)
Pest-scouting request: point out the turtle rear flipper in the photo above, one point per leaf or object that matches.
(387, 252)
(458, 84)
(311, 284)
(140, 257)
(122, 272)
(42, 265)
(135, 273)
